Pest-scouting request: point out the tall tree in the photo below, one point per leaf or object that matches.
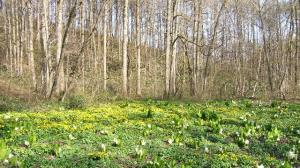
(59, 36)
(31, 49)
(168, 47)
(125, 45)
(104, 47)
(82, 32)
(46, 45)
(138, 45)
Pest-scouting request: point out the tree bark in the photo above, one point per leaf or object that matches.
(46, 45)
(104, 48)
(168, 48)
(125, 43)
(59, 34)
(138, 45)
(31, 51)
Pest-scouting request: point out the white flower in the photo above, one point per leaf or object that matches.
(5, 161)
(26, 143)
(292, 155)
(150, 162)
(172, 122)
(139, 151)
(260, 166)
(103, 132)
(10, 156)
(6, 117)
(71, 137)
(103, 147)
(247, 142)
(185, 125)
(248, 133)
(149, 125)
(206, 150)
(116, 142)
(298, 132)
(170, 141)
(17, 119)
(143, 142)
(221, 131)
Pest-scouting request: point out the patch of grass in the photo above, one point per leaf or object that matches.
(10, 104)
(75, 102)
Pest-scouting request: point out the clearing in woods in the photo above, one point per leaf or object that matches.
(154, 134)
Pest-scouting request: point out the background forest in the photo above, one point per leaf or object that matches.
(151, 48)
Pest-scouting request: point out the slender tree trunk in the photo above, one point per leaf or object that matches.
(174, 47)
(45, 36)
(125, 43)
(82, 21)
(211, 46)
(59, 34)
(104, 48)
(168, 48)
(22, 39)
(6, 29)
(199, 49)
(59, 63)
(11, 47)
(14, 36)
(31, 51)
(138, 43)
(266, 53)
(297, 55)
(195, 47)
(18, 37)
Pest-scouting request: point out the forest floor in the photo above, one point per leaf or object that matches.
(153, 134)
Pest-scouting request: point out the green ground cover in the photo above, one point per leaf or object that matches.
(154, 134)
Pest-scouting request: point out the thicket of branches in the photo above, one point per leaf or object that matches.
(153, 48)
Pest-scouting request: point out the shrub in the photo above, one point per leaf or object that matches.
(4, 106)
(206, 115)
(9, 104)
(275, 104)
(75, 102)
(247, 103)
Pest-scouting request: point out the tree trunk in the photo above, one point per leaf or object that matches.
(104, 48)
(125, 43)
(45, 36)
(211, 46)
(138, 44)
(82, 21)
(59, 34)
(31, 51)
(168, 48)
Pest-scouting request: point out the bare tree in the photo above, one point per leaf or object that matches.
(104, 47)
(125, 45)
(138, 45)
(168, 47)
(31, 49)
